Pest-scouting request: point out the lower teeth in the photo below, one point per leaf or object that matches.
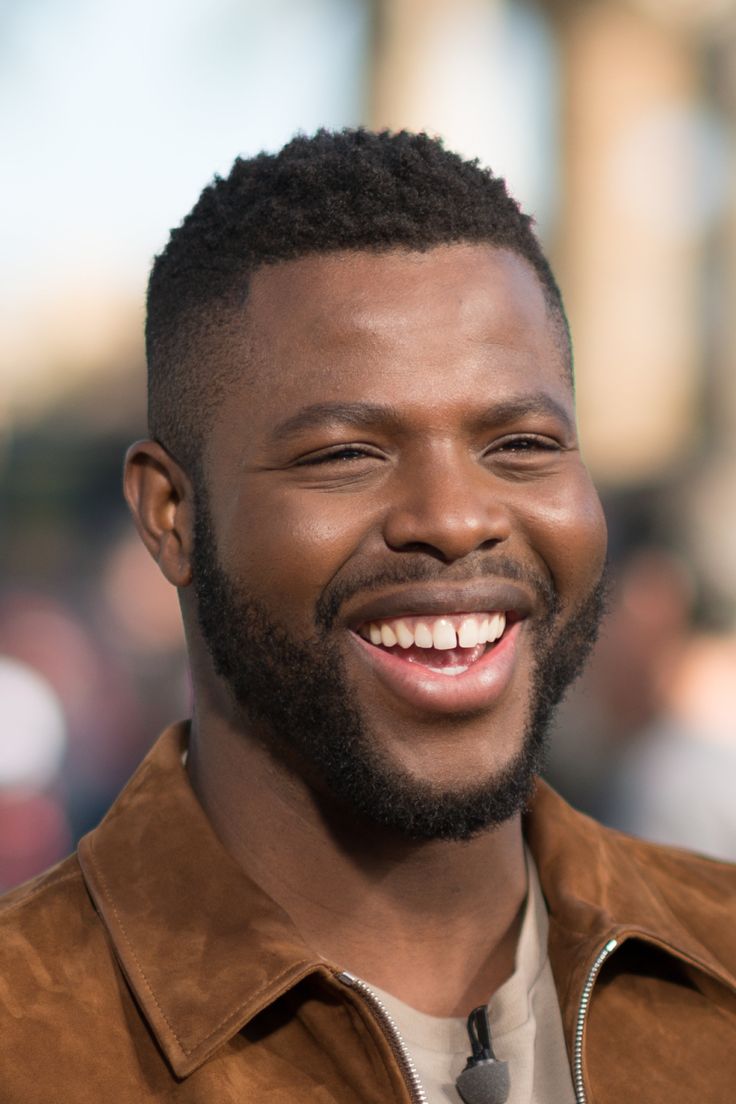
(452, 662)
(446, 663)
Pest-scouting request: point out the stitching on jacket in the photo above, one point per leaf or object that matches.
(188, 1051)
(253, 997)
(106, 889)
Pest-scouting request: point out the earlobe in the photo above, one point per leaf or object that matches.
(160, 498)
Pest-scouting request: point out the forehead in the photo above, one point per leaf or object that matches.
(389, 326)
(376, 294)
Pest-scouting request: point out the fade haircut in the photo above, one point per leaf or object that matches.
(337, 190)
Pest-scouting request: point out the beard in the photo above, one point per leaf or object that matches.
(298, 691)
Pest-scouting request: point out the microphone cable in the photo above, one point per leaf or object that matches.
(485, 1079)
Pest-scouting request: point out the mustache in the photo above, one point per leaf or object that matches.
(425, 570)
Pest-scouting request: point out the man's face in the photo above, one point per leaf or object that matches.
(399, 551)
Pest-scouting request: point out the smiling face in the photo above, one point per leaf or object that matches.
(398, 549)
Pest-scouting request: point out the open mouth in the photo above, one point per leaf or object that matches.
(447, 649)
(449, 645)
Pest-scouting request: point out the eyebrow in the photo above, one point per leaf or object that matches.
(539, 403)
(364, 413)
(319, 414)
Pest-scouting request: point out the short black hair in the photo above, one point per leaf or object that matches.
(337, 190)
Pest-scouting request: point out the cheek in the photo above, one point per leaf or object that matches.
(568, 530)
(287, 547)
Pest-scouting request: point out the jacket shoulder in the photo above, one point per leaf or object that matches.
(674, 872)
(67, 1019)
(597, 878)
(671, 859)
(691, 898)
(42, 912)
(699, 891)
(52, 946)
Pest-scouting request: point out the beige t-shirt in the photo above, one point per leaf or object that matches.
(526, 1027)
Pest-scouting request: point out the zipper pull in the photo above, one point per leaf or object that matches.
(484, 1080)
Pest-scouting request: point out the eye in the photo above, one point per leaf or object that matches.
(525, 443)
(338, 454)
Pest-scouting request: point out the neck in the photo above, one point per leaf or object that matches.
(387, 909)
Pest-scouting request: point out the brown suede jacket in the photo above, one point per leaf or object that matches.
(148, 968)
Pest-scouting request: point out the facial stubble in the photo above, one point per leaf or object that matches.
(297, 692)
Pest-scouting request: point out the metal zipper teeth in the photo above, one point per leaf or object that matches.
(595, 969)
(416, 1089)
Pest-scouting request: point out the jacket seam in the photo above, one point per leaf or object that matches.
(235, 1012)
(8, 910)
(188, 1051)
(106, 889)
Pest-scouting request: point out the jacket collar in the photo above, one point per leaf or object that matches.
(204, 949)
(601, 884)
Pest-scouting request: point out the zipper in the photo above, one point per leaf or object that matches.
(590, 980)
(392, 1033)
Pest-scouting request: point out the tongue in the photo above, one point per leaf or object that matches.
(436, 658)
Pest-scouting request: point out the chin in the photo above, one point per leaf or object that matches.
(457, 753)
(454, 790)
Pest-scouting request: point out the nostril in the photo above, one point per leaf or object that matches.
(444, 552)
(447, 529)
(427, 550)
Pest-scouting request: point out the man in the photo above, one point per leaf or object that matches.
(363, 478)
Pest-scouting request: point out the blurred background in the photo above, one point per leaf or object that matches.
(613, 122)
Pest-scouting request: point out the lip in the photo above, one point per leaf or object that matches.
(436, 600)
(479, 688)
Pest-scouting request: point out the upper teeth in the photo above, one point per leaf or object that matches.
(465, 630)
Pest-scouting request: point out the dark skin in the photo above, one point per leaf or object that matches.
(473, 453)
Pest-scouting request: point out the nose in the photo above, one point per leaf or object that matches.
(446, 505)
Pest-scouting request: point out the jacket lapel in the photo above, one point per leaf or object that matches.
(203, 948)
(599, 885)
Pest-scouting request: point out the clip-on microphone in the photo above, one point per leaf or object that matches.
(484, 1080)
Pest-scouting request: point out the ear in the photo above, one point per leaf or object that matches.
(160, 497)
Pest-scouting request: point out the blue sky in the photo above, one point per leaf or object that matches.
(115, 116)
